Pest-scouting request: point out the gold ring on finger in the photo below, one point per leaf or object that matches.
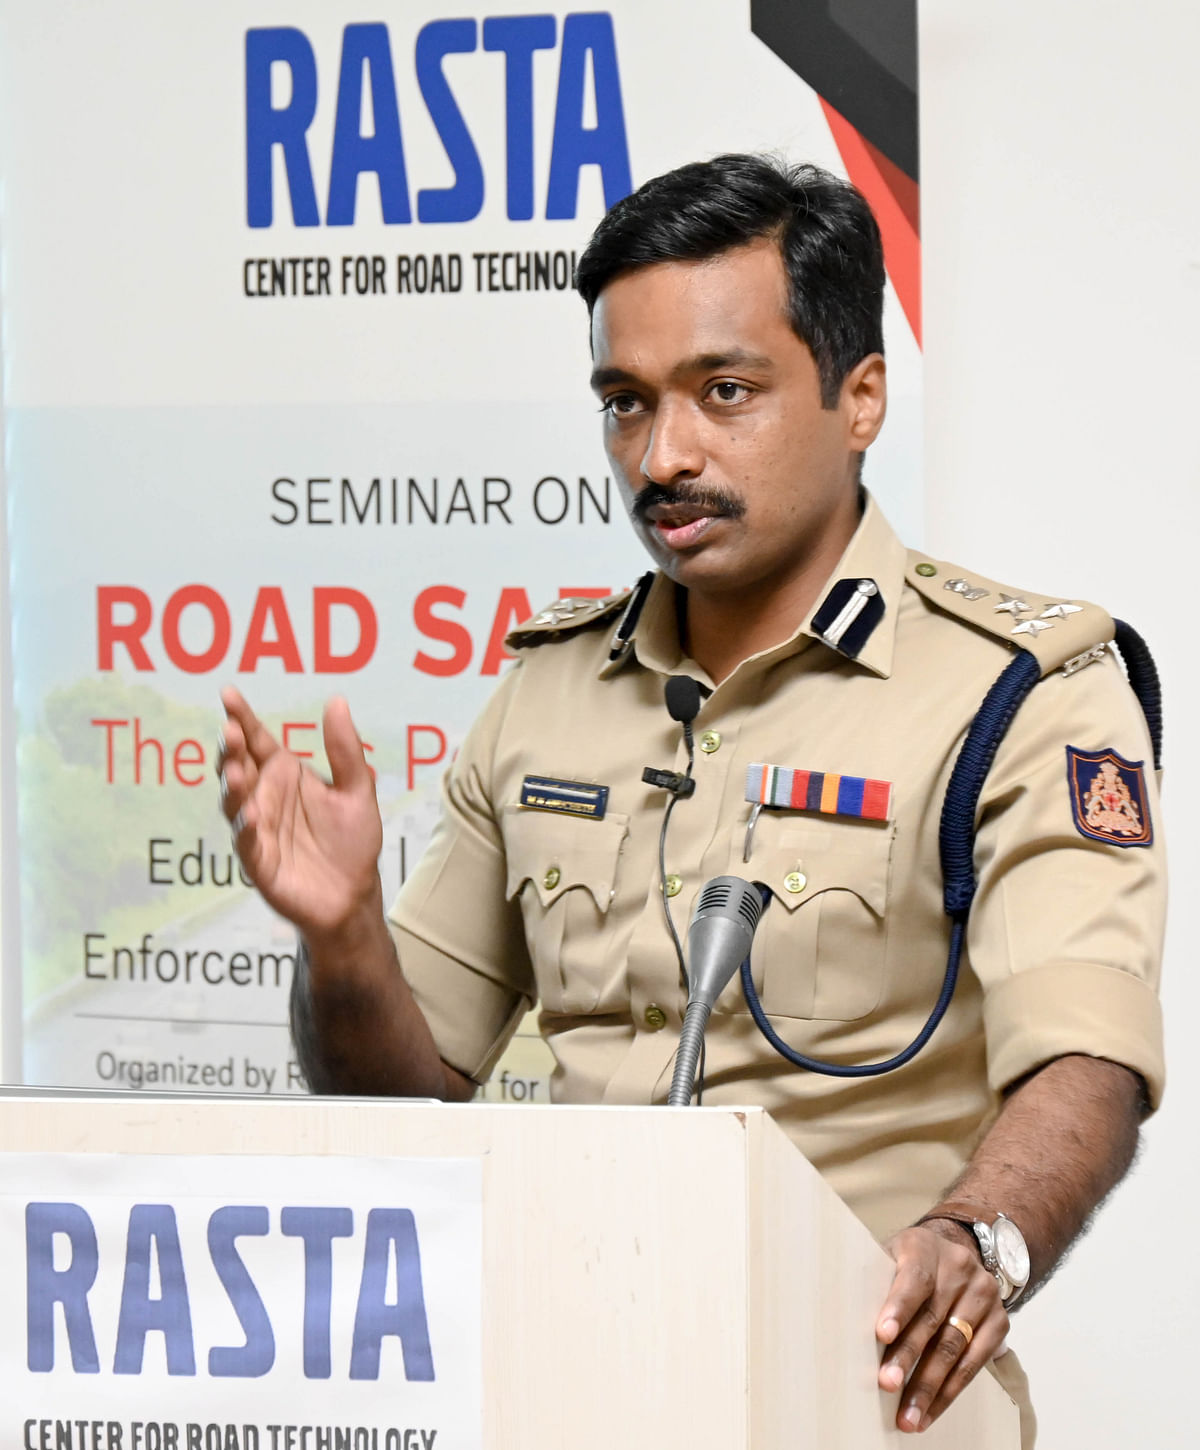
(962, 1326)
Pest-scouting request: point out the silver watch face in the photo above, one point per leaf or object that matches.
(1012, 1254)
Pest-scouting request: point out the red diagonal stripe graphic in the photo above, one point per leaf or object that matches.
(894, 198)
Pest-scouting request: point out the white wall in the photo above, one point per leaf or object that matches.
(1061, 220)
(10, 1045)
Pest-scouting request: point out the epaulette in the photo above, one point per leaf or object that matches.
(564, 617)
(1061, 634)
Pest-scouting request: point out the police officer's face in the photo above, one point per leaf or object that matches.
(737, 477)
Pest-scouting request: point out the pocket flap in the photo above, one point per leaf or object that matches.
(557, 852)
(802, 859)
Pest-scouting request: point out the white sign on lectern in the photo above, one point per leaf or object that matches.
(240, 1303)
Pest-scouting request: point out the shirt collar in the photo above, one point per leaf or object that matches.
(655, 640)
(874, 554)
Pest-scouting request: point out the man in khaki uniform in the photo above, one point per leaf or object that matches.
(735, 326)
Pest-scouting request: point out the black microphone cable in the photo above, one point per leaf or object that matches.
(683, 704)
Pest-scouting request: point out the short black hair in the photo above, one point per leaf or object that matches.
(827, 236)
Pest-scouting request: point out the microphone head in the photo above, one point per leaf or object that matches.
(719, 935)
(732, 898)
(683, 698)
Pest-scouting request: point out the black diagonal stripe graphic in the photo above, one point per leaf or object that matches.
(860, 56)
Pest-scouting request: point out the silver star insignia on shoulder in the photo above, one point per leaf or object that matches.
(1031, 626)
(1060, 611)
(558, 613)
(1011, 604)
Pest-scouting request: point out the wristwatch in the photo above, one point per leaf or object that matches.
(1001, 1244)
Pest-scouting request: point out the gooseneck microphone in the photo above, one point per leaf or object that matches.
(719, 938)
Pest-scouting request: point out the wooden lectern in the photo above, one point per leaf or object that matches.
(654, 1278)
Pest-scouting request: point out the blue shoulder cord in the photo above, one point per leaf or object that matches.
(956, 837)
(1143, 679)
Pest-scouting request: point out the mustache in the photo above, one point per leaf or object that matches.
(711, 500)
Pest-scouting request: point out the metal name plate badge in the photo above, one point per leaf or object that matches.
(570, 797)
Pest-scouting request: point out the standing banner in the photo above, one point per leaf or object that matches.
(295, 391)
(226, 1303)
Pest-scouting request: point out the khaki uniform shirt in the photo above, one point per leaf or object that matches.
(512, 905)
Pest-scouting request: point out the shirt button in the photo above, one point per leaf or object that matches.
(927, 571)
(655, 1017)
(795, 881)
(552, 877)
(674, 887)
(710, 741)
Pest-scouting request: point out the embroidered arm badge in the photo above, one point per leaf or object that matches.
(1108, 797)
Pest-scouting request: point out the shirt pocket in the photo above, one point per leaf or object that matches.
(819, 949)
(563, 870)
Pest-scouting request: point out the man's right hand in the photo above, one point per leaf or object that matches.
(311, 847)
